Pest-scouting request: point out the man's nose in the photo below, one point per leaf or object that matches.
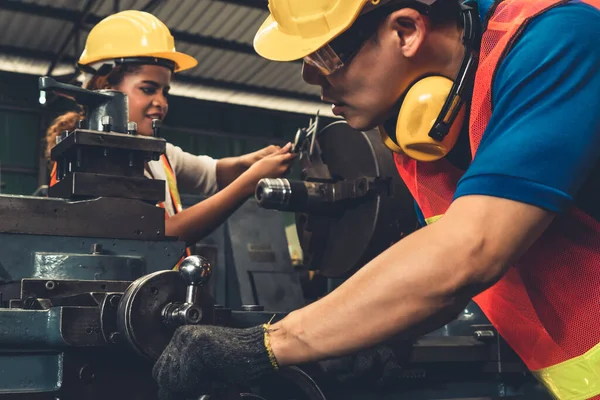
(312, 75)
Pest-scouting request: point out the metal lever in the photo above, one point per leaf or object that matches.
(99, 103)
(80, 95)
(196, 271)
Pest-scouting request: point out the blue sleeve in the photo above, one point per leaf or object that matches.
(543, 138)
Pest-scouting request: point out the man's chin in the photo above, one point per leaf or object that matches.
(361, 124)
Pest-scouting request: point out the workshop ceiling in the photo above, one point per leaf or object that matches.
(46, 36)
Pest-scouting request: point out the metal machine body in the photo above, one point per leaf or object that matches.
(66, 260)
(88, 297)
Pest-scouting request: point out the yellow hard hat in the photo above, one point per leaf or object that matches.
(130, 34)
(297, 28)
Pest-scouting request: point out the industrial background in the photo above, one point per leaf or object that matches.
(233, 102)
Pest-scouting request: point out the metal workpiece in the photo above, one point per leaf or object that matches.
(274, 193)
(350, 203)
(313, 196)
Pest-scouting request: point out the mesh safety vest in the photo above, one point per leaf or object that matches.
(547, 306)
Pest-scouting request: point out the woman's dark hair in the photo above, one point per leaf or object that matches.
(68, 121)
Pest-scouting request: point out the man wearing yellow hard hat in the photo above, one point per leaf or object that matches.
(491, 111)
(134, 52)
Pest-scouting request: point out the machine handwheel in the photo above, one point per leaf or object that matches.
(140, 316)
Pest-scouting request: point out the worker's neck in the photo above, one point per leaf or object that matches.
(445, 51)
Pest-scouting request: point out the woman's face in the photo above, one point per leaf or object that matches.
(147, 90)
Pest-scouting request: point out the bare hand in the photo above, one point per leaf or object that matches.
(247, 160)
(274, 165)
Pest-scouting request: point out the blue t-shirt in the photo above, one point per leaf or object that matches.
(542, 142)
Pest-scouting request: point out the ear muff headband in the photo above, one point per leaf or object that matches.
(432, 111)
(455, 100)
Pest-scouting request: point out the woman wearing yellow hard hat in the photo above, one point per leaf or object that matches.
(134, 52)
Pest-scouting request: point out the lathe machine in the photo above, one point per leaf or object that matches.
(89, 297)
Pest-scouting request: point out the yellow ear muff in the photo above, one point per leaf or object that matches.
(419, 111)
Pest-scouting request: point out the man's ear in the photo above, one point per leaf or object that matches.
(410, 28)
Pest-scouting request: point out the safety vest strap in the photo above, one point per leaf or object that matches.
(175, 199)
(575, 379)
(546, 305)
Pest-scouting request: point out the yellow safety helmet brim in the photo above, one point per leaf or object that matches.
(130, 34)
(182, 61)
(274, 43)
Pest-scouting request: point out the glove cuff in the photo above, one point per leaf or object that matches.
(267, 337)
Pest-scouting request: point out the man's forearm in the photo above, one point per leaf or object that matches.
(418, 284)
(400, 289)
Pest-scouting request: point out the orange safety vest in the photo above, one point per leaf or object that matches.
(175, 199)
(547, 306)
(173, 192)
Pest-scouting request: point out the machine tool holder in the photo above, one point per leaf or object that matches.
(104, 155)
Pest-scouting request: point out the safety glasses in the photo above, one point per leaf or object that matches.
(340, 51)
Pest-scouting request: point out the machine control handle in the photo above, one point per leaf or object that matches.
(101, 103)
(84, 96)
(196, 271)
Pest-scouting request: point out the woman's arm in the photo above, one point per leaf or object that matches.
(230, 168)
(196, 222)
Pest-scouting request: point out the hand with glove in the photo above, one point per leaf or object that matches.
(200, 358)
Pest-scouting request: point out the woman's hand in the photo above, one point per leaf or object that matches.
(230, 168)
(273, 165)
(196, 222)
(247, 160)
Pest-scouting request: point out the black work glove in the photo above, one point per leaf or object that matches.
(200, 358)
